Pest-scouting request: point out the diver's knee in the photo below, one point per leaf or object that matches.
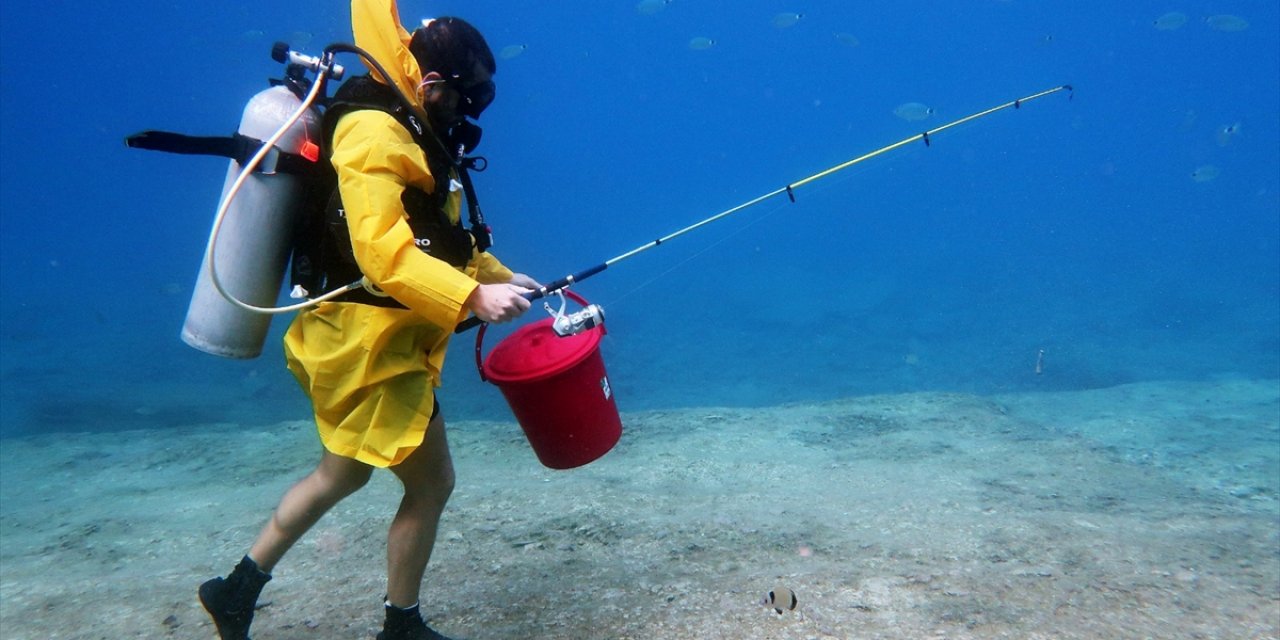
(446, 479)
(356, 481)
(341, 485)
(432, 484)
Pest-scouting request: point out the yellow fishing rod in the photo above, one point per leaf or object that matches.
(789, 190)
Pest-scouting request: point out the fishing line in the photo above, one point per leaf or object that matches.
(817, 189)
(691, 258)
(789, 190)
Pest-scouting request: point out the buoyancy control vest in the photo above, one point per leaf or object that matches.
(323, 258)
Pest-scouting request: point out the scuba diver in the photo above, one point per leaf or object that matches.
(370, 361)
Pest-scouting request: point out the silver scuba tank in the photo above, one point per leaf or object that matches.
(255, 238)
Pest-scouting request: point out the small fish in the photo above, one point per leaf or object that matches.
(650, 7)
(701, 43)
(1226, 22)
(785, 20)
(912, 111)
(1205, 173)
(781, 598)
(300, 39)
(1224, 135)
(1170, 21)
(847, 39)
(512, 50)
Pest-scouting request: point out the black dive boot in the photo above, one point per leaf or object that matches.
(406, 624)
(231, 600)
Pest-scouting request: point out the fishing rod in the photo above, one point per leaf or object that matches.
(789, 189)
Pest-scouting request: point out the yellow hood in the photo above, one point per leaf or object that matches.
(377, 29)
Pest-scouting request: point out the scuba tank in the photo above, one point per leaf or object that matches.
(256, 237)
(274, 173)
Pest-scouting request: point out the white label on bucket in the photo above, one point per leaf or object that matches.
(604, 386)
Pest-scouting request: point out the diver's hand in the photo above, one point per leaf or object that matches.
(522, 280)
(498, 302)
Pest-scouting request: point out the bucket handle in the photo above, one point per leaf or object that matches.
(485, 325)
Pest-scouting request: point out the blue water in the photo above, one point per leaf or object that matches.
(1072, 226)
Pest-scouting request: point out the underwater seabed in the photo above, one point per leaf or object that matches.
(1139, 511)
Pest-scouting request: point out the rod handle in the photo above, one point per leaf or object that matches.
(473, 322)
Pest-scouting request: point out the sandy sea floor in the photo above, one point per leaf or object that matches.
(1142, 511)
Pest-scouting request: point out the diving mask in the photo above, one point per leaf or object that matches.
(475, 98)
(472, 99)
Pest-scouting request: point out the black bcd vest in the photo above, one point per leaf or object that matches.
(323, 259)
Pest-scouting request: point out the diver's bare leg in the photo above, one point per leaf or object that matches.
(302, 506)
(428, 477)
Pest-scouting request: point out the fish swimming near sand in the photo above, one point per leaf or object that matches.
(780, 599)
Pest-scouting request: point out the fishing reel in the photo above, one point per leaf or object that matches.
(571, 324)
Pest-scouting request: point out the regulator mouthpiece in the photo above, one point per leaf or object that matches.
(571, 324)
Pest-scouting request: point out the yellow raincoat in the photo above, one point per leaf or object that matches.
(371, 371)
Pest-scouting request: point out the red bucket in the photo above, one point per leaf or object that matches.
(558, 390)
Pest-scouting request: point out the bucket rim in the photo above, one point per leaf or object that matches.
(589, 344)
